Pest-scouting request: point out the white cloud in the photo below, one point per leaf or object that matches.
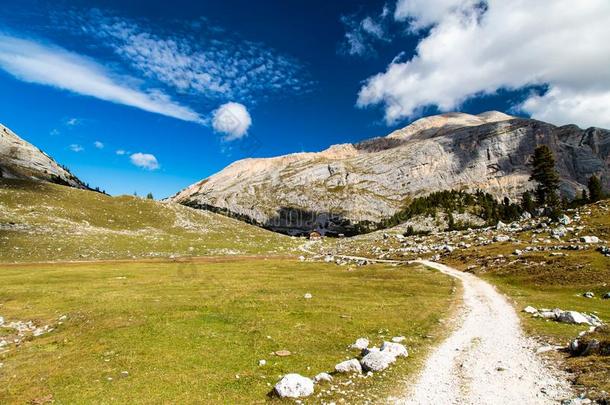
(54, 66)
(76, 148)
(54, 132)
(98, 145)
(362, 34)
(232, 120)
(72, 122)
(121, 152)
(145, 161)
(503, 44)
(196, 60)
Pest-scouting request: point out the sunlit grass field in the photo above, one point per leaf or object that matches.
(194, 332)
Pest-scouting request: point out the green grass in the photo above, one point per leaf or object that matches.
(185, 331)
(47, 222)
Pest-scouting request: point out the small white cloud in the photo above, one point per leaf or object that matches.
(72, 122)
(98, 144)
(145, 161)
(232, 120)
(121, 152)
(76, 148)
(54, 131)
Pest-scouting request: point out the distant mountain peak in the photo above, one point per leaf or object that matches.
(22, 160)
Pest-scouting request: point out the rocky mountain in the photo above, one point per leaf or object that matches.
(351, 184)
(22, 160)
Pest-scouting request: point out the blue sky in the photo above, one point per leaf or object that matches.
(151, 96)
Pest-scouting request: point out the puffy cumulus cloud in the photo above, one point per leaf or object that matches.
(98, 144)
(232, 120)
(76, 148)
(476, 48)
(51, 65)
(120, 152)
(145, 161)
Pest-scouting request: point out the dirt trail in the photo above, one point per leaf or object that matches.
(487, 359)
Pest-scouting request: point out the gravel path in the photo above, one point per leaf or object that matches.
(487, 359)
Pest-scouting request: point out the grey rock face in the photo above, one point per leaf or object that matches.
(22, 160)
(333, 190)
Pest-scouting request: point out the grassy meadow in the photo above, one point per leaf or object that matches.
(194, 331)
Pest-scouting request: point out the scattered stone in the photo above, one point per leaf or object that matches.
(262, 363)
(361, 344)
(395, 349)
(573, 317)
(63, 318)
(588, 294)
(398, 339)
(530, 310)
(308, 296)
(1, 321)
(294, 386)
(322, 377)
(125, 373)
(349, 366)
(606, 296)
(501, 238)
(564, 220)
(283, 353)
(377, 361)
(589, 239)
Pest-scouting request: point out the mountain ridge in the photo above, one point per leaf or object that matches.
(20, 159)
(347, 184)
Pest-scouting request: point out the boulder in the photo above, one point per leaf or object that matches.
(564, 219)
(370, 350)
(589, 294)
(349, 366)
(501, 238)
(294, 386)
(525, 216)
(589, 239)
(308, 296)
(361, 344)
(395, 349)
(398, 339)
(573, 317)
(530, 310)
(322, 377)
(377, 361)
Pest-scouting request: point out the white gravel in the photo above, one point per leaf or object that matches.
(487, 359)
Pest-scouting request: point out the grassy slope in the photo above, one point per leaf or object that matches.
(42, 222)
(184, 331)
(544, 281)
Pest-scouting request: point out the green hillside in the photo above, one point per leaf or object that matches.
(48, 222)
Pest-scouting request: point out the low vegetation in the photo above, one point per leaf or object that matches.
(48, 222)
(195, 331)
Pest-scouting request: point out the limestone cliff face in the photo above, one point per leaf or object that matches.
(349, 184)
(22, 160)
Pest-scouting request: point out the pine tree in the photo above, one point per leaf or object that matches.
(595, 189)
(546, 176)
(527, 203)
(149, 196)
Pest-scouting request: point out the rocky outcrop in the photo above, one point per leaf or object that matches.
(345, 186)
(22, 160)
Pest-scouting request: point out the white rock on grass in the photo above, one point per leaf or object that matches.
(361, 344)
(294, 386)
(377, 361)
(308, 296)
(530, 310)
(589, 239)
(395, 349)
(1, 320)
(573, 317)
(349, 366)
(262, 362)
(322, 377)
(398, 339)
(588, 294)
